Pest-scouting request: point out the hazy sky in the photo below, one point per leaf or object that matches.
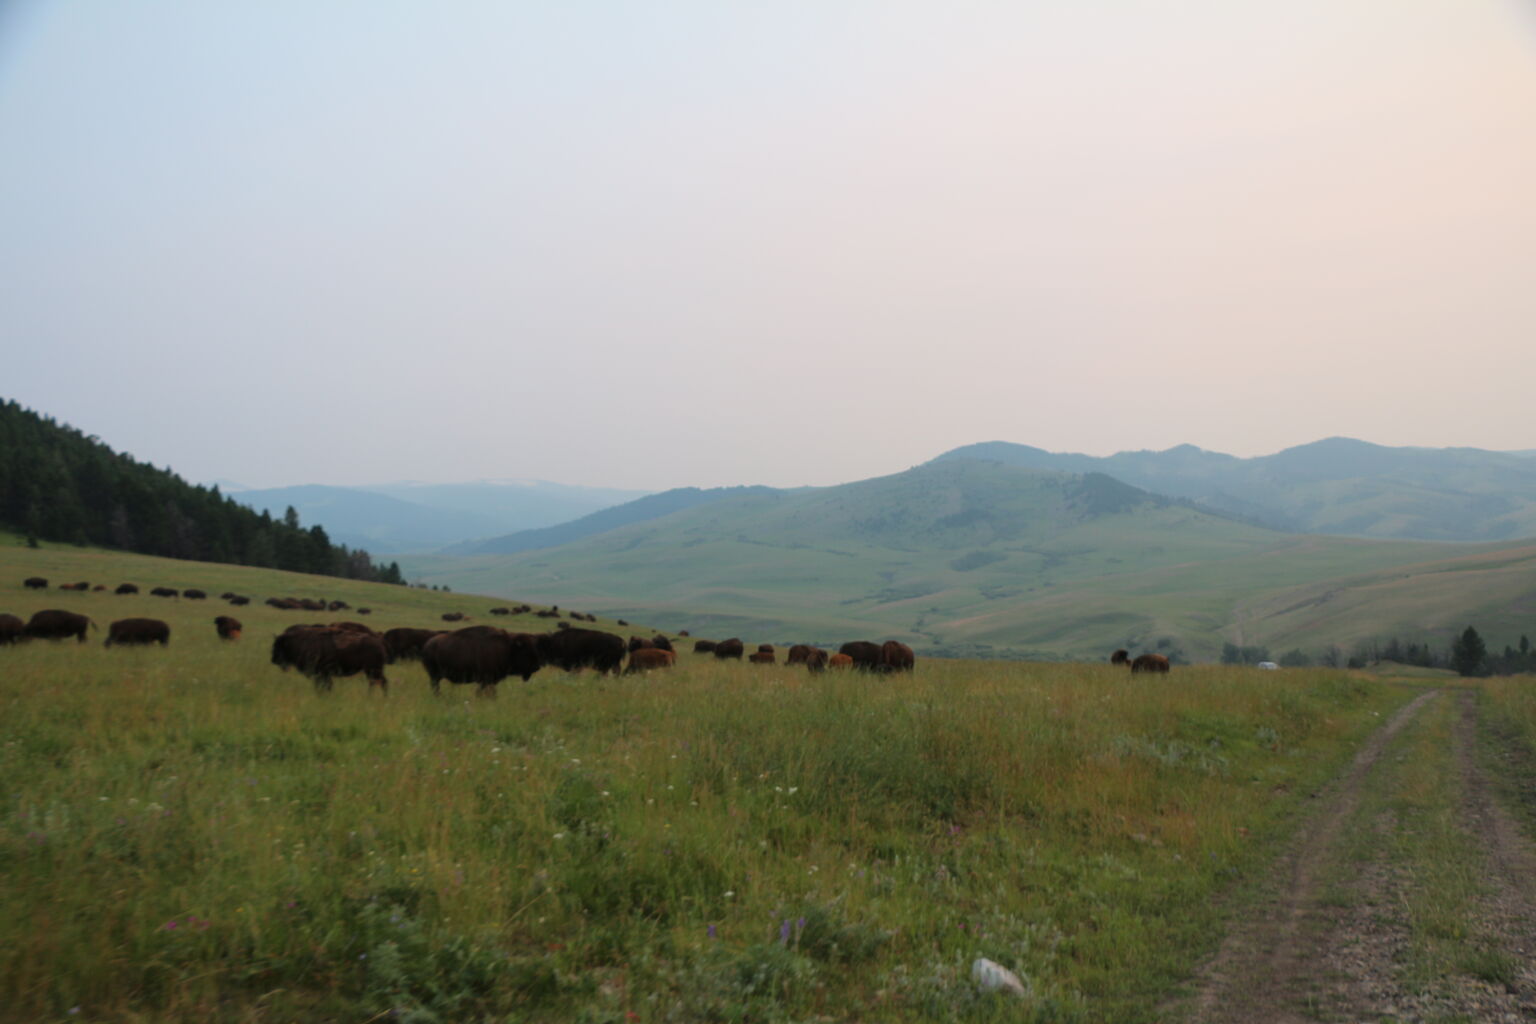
(668, 243)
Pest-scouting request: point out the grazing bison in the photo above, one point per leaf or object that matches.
(840, 660)
(74, 586)
(237, 600)
(732, 648)
(703, 646)
(813, 658)
(406, 642)
(483, 655)
(1120, 657)
(126, 588)
(1149, 663)
(138, 631)
(865, 655)
(762, 657)
(640, 643)
(164, 592)
(226, 595)
(99, 587)
(647, 658)
(35, 583)
(501, 611)
(661, 643)
(12, 630)
(324, 653)
(338, 606)
(896, 656)
(354, 627)
(311, 604)
(365, 611)
(227, 627)
(622, 622)
(54, 624)
(453, 616)
(682, 632)
(194, 594)
(572, 649)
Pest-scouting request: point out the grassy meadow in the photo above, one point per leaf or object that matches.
(190, 834)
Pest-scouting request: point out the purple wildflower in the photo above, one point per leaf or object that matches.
(784, 932)
(712, 932)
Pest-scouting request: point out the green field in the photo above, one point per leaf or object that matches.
(189, 834)
(975, 559)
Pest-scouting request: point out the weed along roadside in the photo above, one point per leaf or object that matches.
(190, 834)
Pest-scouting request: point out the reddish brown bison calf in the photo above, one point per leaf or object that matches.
(228, 627)
(647, 658)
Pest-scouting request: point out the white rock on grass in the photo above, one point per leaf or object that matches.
(994, 977)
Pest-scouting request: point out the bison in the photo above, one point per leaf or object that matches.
(74, 586)
(483, 655)
(640, 643)
(896, 656)
(703, 646)
(12, 630)
(324, 653)
(164, 592)
(866, 656)
(813, 658)
(573, 649)
(35, 583)
(407, 642)
(238, 600)
(194, 594)
(501, 611)
(354, 627)
(1150, 663)
(228, 628)
(338, 606)
(762, 657)
(647, 658)
(732, 648)
(661, 643)
(365, 611)
(126, 588)
(1120, 657)
(453, 616)
(138, 631)
(54, 624)
(840, 660)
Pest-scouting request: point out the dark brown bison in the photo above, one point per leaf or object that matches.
(74, 586)
(126, 588)
(35, 583)
(647, 658)
(483, 655)
(164, 592)
(406, 642)
(453, 616)
(640, 643)
(622, 622)
(703, 646)
(194, 594)
(1149, 663)
(226, 595)
(354, 627)
(501, 611)
(1120, 657)
(813, 658)
(661, 643)
(54, 624)
(312, 604)
(896, 656)
(762, 658)
(573, 649)
(228, 628)
(237, 600)
(324, 653)
(765, 648)
(138, 631)
(840, 660)
(549, 613)
(99, 587)
(732, 648)
(338, 606)
(12, 630)
(682, 632)
(365, 611)
(865, 655)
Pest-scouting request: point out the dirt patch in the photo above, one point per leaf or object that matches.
(1300, 959)
(1267, 970)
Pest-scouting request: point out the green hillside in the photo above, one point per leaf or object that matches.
(976, 558)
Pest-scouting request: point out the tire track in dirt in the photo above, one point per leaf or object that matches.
(1257, 976)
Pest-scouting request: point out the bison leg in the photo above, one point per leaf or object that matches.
(380, 682)
(322, 684)
(486, 690)
(437, 691)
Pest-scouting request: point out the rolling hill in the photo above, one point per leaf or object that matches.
(979, 557)
(1336, 486)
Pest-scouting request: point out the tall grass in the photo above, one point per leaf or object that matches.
(190, 834)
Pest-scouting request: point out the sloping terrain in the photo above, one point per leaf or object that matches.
(1338, 485)
(977, 557)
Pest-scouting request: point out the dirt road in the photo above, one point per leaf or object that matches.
(1341, 932)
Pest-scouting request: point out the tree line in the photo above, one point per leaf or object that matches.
(1468, 655)
(57, 484)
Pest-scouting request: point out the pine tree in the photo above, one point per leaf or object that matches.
(1468, 653)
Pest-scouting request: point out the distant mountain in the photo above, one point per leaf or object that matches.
(652, 506)
(968, 556)
(1336, 486)
(406, 517)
